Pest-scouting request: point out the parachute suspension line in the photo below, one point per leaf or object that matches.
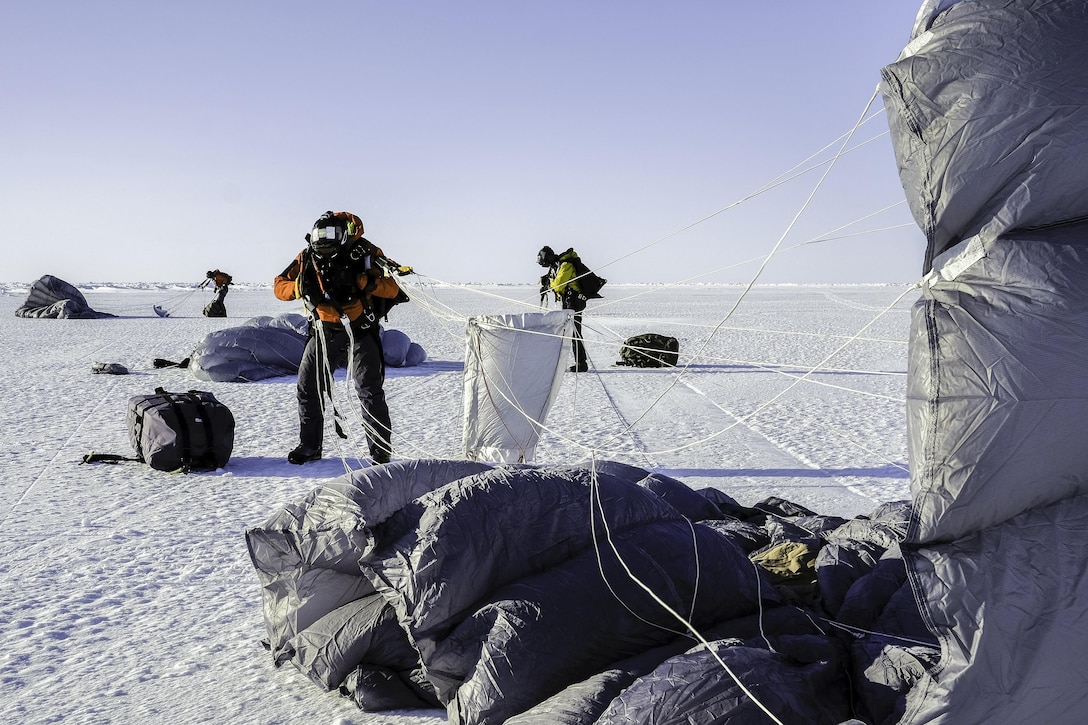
(365, 423)
(325, 387)
(597, 506)
(762, 267)
(628, 427)
(803, 378)
(783, 178)
(818, 239)
(759, 602)
(857, 631)
(636, 443)
(453, 315)
(170, 304)
(783, 369)
(26, 491)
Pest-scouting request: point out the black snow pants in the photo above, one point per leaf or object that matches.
(367, 371)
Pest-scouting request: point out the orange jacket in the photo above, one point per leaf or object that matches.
(287, 286)
(221, 279)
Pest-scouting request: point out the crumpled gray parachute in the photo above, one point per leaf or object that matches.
(988, 107)
(260, 348)
(52, 298)
(269, 347)
(506, 594)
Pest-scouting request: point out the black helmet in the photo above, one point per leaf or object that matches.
(330, 232)
(546, 257)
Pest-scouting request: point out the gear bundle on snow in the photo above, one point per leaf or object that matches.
(181, 431)
(649, 350)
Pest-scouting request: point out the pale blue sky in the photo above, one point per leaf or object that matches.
(147, 141)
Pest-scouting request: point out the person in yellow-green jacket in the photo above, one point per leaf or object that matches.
(563, 280)
(347, 285)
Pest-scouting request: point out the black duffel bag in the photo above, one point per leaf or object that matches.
(181, 431)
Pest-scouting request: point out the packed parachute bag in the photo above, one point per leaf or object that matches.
(177, 432)
(649, 350)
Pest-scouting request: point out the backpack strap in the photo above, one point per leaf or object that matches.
(93, 457)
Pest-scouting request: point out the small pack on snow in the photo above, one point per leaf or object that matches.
(649, 350)
(181, 431)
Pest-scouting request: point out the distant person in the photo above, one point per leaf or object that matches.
(347, 285)
(221, 282)
(565, 281)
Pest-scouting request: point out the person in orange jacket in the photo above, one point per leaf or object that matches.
(347, 284)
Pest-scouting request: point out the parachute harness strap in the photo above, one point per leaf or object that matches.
(325, 372)
(369, 426)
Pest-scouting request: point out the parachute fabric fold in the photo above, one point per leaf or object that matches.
(52, 298)
(505, 585)
(260, 348)
(270, 347)
(988, 107)
(513, 366)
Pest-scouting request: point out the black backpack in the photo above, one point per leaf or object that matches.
(588, 281)
(649, 350)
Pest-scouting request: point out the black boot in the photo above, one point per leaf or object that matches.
(303, 454)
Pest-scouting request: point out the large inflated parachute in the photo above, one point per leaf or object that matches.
(988, 107)
(52, 298)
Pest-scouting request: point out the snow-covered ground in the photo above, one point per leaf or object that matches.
(127, 593)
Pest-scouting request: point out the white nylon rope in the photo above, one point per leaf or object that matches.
(779, 180)
(763, 266)
(815, 240)
(763, 406)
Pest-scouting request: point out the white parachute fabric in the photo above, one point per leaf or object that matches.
(988, 107)
(513, 366)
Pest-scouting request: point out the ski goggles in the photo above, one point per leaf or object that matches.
(327, 239)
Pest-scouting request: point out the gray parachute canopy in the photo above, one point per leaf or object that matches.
(260, 348)
(51, 297)
(509, 594)
(268, 347)
(988, 107)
